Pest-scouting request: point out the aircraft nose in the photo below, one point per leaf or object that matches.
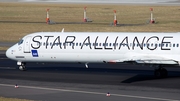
(9, 53)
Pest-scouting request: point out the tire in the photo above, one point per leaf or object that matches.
(22, 68)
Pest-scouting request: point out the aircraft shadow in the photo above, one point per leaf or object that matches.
(140, 77)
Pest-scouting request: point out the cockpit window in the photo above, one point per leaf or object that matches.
(20, 42)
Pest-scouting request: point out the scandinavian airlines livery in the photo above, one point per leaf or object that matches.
(154, 49)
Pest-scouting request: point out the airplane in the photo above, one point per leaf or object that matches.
(154, 49)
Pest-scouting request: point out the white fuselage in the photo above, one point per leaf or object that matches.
(95, 47)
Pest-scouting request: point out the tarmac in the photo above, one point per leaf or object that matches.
(57, 81)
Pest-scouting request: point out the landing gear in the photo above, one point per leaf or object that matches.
(22, 66)
(86, 64)
(160, 72)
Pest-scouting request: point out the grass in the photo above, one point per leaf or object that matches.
(3, 48)
(19, 19)
(12, 99)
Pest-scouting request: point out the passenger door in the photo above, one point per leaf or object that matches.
(27, 44)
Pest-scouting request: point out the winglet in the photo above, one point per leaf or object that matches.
(62, 30)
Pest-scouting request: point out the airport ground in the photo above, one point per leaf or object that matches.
(55, 81)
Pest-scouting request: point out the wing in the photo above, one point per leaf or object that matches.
(143, 59)
(155, 61)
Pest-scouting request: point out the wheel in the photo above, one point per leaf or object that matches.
(22, 68)
(164, 73)
(157, 73)
(160, 73)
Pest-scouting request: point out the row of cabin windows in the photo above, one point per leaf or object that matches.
(111, 44)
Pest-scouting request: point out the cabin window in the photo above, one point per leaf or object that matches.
(134, 44)
(177, 45)
(156, 45)
(86, 44)
(166, 45)
(173, 45)
(96, 44)
(159, 45)
(99, 44)
(162, 45)
(144, 45)
(148, 45)
(152, 45)
(137, 45)
(103, 44)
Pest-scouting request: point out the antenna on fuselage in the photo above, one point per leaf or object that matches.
(62, 30)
